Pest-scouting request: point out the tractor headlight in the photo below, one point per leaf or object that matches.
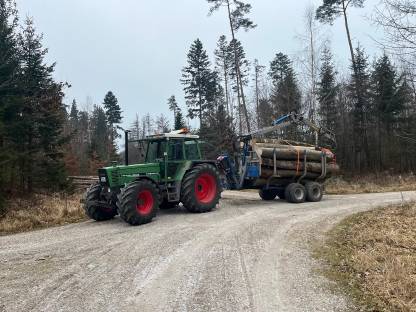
(103, 179)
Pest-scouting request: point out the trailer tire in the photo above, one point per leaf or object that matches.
(139, 202)
(295, 193)
(201, 189)
(92, 208)
(268, 195)
(314, 191)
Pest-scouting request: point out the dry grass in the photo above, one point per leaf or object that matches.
(380, 183)
(373, 256)
(41, 211)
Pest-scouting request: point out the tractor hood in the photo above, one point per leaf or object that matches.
(118, 176)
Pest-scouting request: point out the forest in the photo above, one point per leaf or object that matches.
(370, 106)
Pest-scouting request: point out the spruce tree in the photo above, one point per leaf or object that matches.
(199, 82)
(179, 120)
(286, 95)
(113, 115)
(361, 106)
(9, 98)
(327, 92)
(99, 135)
(173, 106)
(40, 127)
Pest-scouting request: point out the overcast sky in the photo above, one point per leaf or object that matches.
(137, 48)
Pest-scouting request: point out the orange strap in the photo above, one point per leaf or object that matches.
(298, 164)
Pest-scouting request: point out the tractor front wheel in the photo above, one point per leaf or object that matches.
(139, 202)
(201, 189)
(96, 206)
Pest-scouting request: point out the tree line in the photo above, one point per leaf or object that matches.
(370, 106)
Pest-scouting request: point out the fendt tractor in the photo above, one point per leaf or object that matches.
(173, 172)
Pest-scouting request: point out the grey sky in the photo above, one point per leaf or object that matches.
(137, 48)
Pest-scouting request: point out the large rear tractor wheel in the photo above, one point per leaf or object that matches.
(268, 195)
(295, 193)
(314, 191)
(96, 206)
(139, 202)
(201, 189)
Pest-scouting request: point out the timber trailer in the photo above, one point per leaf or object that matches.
(279, 168)
(173, 172)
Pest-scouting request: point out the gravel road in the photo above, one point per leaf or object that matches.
(247, 255)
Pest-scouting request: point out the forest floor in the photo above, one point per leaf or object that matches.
(41, 211)
(372, 256)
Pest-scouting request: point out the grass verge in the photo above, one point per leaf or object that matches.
(40, 211)
(372, 256)
(374, 183)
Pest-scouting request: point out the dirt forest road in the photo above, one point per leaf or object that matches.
(247, 255)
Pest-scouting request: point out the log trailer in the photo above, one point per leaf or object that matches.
(279, 168)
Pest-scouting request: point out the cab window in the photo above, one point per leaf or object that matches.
(155, 151)
(175, 150)
(191, 150)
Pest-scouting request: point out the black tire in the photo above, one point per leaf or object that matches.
(139, 202)
(92, 208)
(314, 191)
(201, 189)
(268, 195)
(165, 205)
(295, 193)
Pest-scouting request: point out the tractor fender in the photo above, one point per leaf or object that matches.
(147, 179)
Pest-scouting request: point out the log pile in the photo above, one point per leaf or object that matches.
(290, 160)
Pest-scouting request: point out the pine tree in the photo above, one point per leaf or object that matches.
(237, 17)
(224, 61)
(73, 115)
(331, 9)
(327, 92)
(239, 74)
(179, 121)
(199, 82)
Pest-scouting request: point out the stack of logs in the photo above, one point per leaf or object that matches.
(290, 160)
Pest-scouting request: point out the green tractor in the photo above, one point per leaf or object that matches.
(173, 172)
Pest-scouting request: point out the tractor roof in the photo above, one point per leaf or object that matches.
(172, 135)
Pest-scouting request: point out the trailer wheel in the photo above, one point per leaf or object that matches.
(201, 189)
(139, 202)
(295, 193)
(314, 191)
(268, 195)
(92, 206)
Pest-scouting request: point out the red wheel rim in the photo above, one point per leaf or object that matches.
(205, 188)
(145, 202)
